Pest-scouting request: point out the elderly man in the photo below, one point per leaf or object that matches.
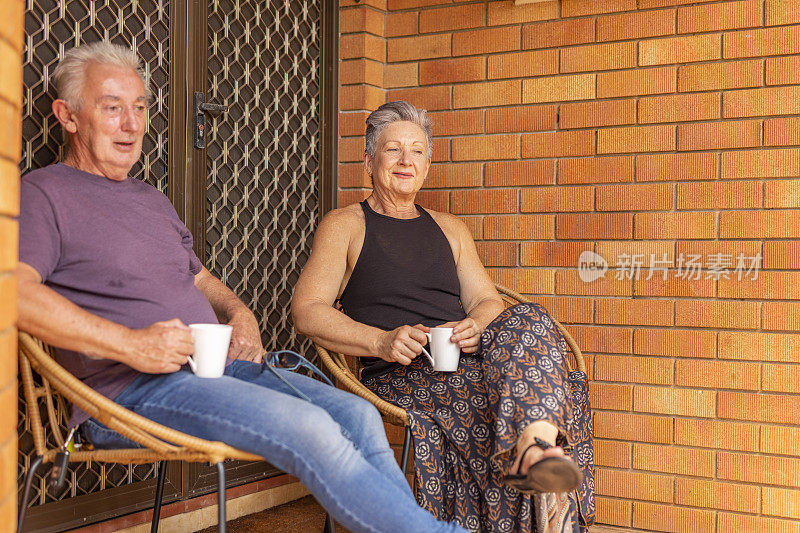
(107, 274)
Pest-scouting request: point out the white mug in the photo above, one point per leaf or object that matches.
(445, 353)
(211, 342)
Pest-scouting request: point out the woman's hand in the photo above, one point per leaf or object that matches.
(403, 344)
(466, 333)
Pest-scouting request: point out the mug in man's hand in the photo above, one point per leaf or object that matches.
(211, 342)
(444, 354)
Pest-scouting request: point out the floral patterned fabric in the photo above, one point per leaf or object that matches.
(465, 425)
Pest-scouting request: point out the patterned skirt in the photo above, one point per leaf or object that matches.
(465, 425)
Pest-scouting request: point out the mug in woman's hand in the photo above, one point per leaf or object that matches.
(444, 354)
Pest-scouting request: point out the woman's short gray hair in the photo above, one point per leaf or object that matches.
(70, 74)
(398, 111)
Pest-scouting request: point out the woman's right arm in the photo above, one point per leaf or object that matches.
(318, 287)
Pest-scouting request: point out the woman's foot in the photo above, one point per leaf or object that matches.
(539, 465)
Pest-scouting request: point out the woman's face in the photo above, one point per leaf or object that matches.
(401, 163)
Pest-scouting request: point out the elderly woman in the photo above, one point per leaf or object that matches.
(485, 435)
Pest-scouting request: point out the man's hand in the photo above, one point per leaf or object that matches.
(466, 333)
(403, 344)
(161, 348)
(246, 338)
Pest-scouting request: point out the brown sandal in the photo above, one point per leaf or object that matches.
(551, 474)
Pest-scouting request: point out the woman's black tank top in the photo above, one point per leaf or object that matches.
(405, 274)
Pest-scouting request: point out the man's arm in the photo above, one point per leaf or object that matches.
(246, 337)
(159, 348)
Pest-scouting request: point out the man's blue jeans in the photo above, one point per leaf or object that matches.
(336, 446)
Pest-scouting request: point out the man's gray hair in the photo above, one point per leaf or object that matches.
(70, 74)
(398, 111)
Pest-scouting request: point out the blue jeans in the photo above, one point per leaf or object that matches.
(336, 446)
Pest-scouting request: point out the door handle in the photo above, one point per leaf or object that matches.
(200, 110)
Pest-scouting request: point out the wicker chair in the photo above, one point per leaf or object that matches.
(338, 366)
(160, 443)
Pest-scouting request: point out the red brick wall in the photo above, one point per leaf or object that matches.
(625, 127)
(11, 13)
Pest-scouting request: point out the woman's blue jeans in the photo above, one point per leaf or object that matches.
(336, 446)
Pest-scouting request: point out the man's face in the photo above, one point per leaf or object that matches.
(111, 122)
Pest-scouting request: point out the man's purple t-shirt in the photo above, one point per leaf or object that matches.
(115, 248)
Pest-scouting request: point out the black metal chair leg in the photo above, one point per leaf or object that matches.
(330, 525)
(406, 447)
(162, 476)
(26, 492)
(221, 496)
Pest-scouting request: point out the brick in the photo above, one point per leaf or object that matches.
(485, 147)
(568, 282)
(716, 495)
(656, 517)
(680, 167)
(595, 170)
(418, 47)
(613, 511)
(556, 199)
(502, 254)
(682, 402)
(783, 316)
(780, 440)
(362, 45)
(558, 144)
(401, 24)
(352, 123)
(716, 434)
(452, 18)
(781, 12)
(780, 378)
(432, 98)
(600, 338)
(773, 163)
(782, 131)
(760, 224)
(527, 280)
(716, 17)
(457, 122)
(475, 226)
(436, 200)
(488, 93)
(673, 460)
(361, 71)
(636, 82)
(351, 149)
(781, 254)
(519, 227)
(635, 197)
(716, 314)
(768, 470)
(716, 76)
(356, 97)
(783, 70)
(679, 108)
(377, 4)
(558, 88)
(780, 347)
(348, 197)
(676, 283)
(353, 175)
(521, 119)
(706, 248)
(769, 285)
(558, 33)
(781, 502)
(11, 132)
(565, 309)
(633, 369)
(719, 195)
(400, 75)
(361, 19)
(751, 102)
(594, 226)
(683, 225)
(523, 64)
(601, 113)
(483, 201)
(612, 453)
(685, 49)
(742, 522)
(577, 8)
(486, 41)
(621, 253)
(454, 175)
(510, 173)
(635, 485)
(609, 396)
(717, 374)
(633, 312)
(636, 139)
(396, 5)
(501, 13)
(761, 42)
(551, 253)
(595, 57)
(777, 408)
(452, 70)
(636, 25)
